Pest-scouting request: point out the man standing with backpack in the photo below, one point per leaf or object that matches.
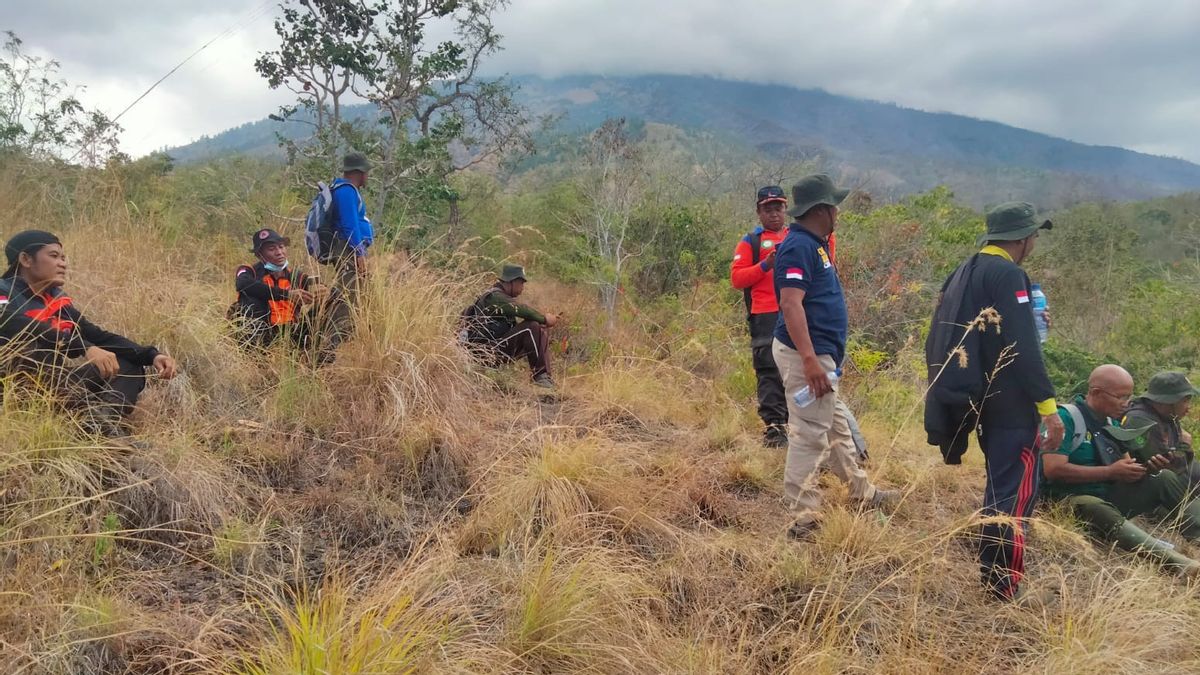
(752, 272)
(337, 231)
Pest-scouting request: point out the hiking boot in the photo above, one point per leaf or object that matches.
(803, 531)
(543, 380)
(1039, 599)
(884, 500)
(775, 436)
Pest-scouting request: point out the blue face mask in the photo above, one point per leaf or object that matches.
(271, 267)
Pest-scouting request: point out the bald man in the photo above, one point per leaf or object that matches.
(1095, 476)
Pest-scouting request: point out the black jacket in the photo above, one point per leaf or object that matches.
(49, 328)
(260, 298)
(1005, 376)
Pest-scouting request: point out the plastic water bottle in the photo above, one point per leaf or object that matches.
(804, 397)
(1038, 301)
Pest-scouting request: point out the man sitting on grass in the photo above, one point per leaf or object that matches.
(44, 336)
(1091, 472)
(497, 328)
(274, 299)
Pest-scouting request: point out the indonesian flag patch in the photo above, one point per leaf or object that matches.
(1022, 297)
(795, 273)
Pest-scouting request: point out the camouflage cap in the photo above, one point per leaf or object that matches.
(512, 273)
(355, 161)
(813, 191)
(1012, 221)
(1169, 387)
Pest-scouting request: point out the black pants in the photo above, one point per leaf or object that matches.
(772, 406)
(529, 340)
(1012, 484)
(83, 389)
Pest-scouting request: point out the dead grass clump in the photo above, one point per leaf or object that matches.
(583, 609)
(642, 395)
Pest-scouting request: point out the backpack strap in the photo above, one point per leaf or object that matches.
(1078, 422)
(755, 241)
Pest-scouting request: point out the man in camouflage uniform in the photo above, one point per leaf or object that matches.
(1167, 400)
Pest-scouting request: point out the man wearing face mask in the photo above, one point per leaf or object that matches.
(43, 334)
(274, 299)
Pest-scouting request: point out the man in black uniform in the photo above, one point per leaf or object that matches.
(994, 366)
(275, 299)
(44, 334)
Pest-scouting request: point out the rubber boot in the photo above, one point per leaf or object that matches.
(1133, 538)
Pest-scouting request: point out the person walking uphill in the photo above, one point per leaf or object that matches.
(998, 370)
(498, 328)
(810, 343)
(752, 272)
(42, 333)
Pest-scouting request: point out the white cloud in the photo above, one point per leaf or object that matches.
(1113, 73)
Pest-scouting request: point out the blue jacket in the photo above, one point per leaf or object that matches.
(350, 217)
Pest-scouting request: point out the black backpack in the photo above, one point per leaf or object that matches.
(755, 254)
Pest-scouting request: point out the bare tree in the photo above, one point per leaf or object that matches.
(611, 182)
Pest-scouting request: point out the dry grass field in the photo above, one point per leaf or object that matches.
(405, 511)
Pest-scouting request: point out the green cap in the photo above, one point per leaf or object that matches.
(813, 191)
(512, 273)
(355, 161)
(1169, 387)
(1012, 221)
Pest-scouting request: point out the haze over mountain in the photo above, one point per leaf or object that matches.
(887, 149)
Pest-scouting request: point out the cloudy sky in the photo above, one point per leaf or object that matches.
(1119, 72)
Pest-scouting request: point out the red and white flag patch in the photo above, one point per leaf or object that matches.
(1022, 297)
(795, 273)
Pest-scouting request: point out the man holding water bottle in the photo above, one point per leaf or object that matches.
(1008, 383)
(809, 347)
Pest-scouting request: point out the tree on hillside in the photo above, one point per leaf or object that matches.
(41, 116)
(435, 114)
(610, 180)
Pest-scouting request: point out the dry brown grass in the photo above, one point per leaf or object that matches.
(405, 511)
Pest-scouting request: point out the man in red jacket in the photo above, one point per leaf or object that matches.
(752, 272)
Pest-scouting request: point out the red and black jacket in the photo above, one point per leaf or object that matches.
(47, 326)
(261, 296)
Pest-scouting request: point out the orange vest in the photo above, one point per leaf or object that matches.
(282, 311)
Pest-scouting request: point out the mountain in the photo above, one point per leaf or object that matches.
(889, 149)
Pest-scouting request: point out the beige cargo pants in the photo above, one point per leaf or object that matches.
(818, 434)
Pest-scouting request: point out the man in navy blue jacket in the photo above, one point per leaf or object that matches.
(352, 230)
(1002, 377)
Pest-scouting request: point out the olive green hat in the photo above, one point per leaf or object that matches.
(1169, 387)
(512, 273)
(1012, 221)
(355, 161)
(813, 191)
(1126, 434)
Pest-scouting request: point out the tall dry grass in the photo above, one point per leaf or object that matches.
(404, 510)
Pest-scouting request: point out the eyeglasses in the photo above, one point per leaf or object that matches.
(1123, 398)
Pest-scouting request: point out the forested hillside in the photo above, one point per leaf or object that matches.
(892, 151)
